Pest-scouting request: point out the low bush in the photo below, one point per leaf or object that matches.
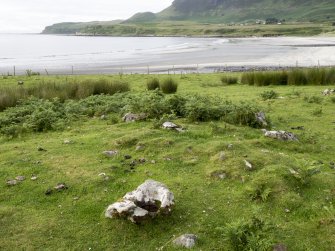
(248, 235)
(313, 99)
(169, 86)
(153, 84)
(266, 95)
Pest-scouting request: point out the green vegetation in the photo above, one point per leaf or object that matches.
(153, 84)
(287, 195)
(169, 85)
(229, 80)
(296, 76)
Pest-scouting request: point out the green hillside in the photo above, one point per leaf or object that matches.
(214, 18)
(242, 10)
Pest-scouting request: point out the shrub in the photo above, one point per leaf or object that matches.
(169, 86)
(248, 235)
(229, 80)
(30, 73)
(266, 95)
(313, 99)
(153, 84)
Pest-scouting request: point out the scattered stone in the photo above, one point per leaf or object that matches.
(102, 174)
(219, 174)
(248, 165)
(48, 191)
(230, 146)
(20, 178)
(33, 177)
(298, 128)
(287, 210)
(261, 119)
(127, 157)
(328, 92)
(20, 82)
(61, 186)
(281, 135)
(142, 160)
(147, 201)
(222, 156)
(280, 247)
(186, 240)
(41, 149)
(153, 162)
(67, 142)
(172, 126)
(111, 153)
(131, 117)
(103, 117)
(140, 147)
(11, 182)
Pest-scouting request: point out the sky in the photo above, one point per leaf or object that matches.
(31, 16)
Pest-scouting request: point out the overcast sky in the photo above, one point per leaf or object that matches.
(34, 15)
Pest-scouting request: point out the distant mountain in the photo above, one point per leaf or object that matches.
(247, 10)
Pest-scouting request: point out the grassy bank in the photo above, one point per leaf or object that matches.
(287, 197)
(188, 28)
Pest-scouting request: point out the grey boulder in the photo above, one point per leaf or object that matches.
(281, 135)
(186, 240)
(147, 201)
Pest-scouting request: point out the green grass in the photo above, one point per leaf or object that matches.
(270, 204)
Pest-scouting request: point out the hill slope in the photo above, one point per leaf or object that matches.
(243, 10)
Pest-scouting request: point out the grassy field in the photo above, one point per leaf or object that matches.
(189, 28)
(288, 197)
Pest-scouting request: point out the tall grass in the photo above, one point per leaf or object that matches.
(153, 84)
(169, 85)
(9, 96)
(297, 76)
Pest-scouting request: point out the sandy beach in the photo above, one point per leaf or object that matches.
(107, 55)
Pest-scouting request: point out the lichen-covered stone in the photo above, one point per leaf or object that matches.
(186, 240)
(148, 200)
(281, 135)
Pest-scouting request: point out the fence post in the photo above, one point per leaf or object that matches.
(14, 71)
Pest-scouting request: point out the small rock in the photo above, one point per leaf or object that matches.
(219, 174)
(11, 182)
(172, 126)
(48, 191)
(61, 186)
(140, 147)
(111, 153)
(131, 117)
(142, 160)
(127, 157)
(230, 146)
(186, 240)
(103, 117)
(102, 174)
(287, 210)
(20, 178)
(153, 162)
(222, 156)
(33, 177)
(248, 165)
(280, 247)
(67, 142)
(20, 82)
(298, 128)
(261, 119)
(41, 149)
(281, 135)
(328, 92)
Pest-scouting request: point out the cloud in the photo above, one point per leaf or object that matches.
(34, 15)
